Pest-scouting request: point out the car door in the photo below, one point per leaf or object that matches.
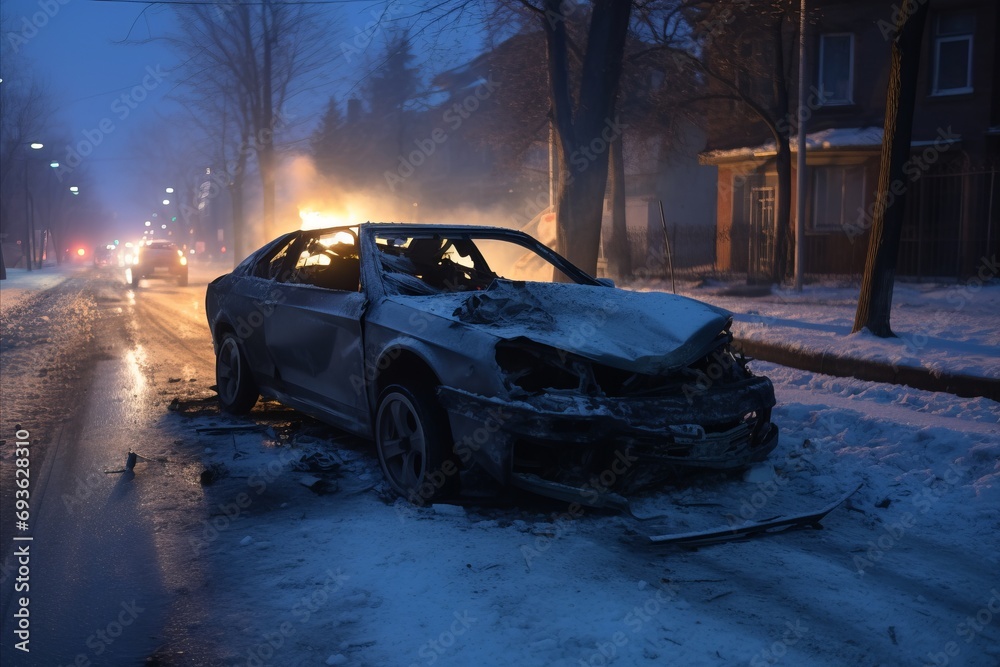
(314, 337)
(249, 304)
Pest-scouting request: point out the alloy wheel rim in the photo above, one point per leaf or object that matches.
(402, 442)
(229, 370)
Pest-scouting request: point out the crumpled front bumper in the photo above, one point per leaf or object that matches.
(722, 427)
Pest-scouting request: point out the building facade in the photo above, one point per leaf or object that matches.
(953, 200)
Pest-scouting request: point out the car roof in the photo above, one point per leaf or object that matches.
(421, 228)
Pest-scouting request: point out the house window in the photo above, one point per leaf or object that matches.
(836, 68)
(953, 53)
(838, 198)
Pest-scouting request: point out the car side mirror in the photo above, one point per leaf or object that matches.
(607, 282)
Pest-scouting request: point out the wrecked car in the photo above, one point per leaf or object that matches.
(477, 358)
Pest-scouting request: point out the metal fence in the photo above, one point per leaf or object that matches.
(951, 221)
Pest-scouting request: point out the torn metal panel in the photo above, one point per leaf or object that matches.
(647, 332)
(727, 428)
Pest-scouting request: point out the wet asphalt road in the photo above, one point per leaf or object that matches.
(101, 574)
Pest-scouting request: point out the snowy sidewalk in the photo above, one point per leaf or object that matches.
(20, 283)
(948, 335)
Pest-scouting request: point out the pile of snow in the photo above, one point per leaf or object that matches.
(839, 137)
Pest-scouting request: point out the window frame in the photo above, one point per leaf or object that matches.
(826, 100)
(943, 38)
(845, 222)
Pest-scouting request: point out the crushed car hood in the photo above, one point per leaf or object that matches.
(641, 332)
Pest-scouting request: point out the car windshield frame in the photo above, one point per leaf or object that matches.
(374, 274)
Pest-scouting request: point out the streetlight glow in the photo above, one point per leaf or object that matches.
(37, 146)
(170, 191)
(163, 226)
(75, 190)
(148, 223)
(166, 202)
(54, 164)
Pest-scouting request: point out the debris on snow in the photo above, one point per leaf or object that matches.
(317, 485)
(448, 510)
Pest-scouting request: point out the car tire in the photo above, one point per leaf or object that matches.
(234, 383)
(182, 279)
(135, 278)
(414, 445)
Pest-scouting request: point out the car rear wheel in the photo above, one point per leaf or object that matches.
(182, 279)
(134, 277)
(414, 446)
(235, 385)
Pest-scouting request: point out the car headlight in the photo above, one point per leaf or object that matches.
(184, 260)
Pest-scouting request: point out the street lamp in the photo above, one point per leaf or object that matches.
(29, 209)
(75, 190)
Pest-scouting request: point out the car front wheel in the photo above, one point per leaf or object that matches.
(234, 382)
(414, 445)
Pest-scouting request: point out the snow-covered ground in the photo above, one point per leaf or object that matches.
(21, 284)
(943, 328)
(906, 572)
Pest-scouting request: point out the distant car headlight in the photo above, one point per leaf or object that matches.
(184, 260)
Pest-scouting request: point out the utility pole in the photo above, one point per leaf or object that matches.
(800, 164)
(552, 164)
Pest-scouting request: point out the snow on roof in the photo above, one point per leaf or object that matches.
(840, 137)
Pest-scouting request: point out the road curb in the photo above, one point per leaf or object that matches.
(967, 386)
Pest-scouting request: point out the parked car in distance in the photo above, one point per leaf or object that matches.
(104, 255)
(158, 259)
(476, 358)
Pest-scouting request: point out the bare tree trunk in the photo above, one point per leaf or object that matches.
(267, 164)
(264, 136)
(618, 251)
(241, 244)
(875, 299)
(578, 217)
(240, 249)
(585, 128)
(55, 246)
(783, 160)
(782, 231)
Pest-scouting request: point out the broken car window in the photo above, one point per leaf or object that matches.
(421, 265)
(270, 265)
(329, 261)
